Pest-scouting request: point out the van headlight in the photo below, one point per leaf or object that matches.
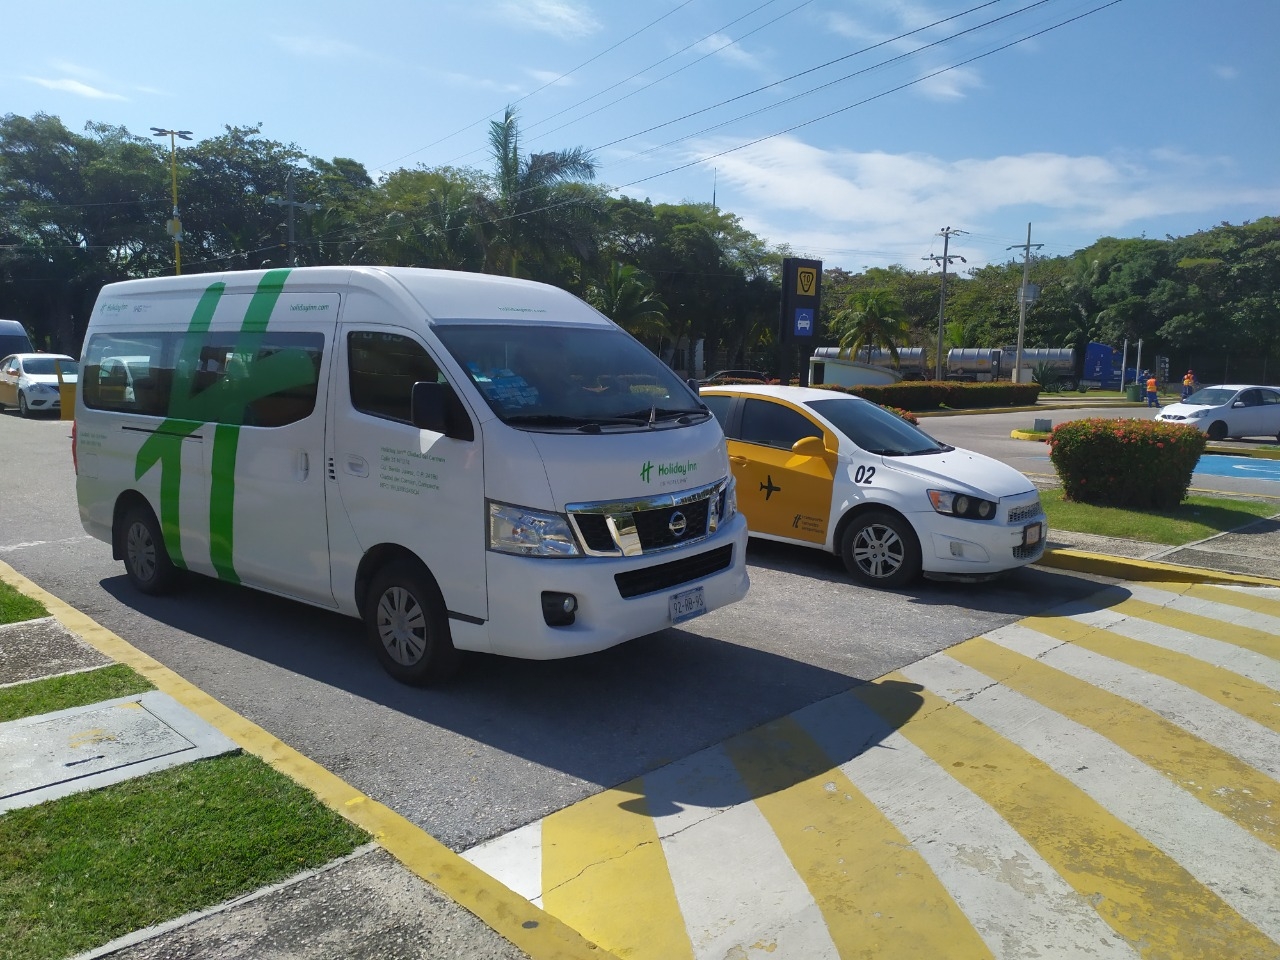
(962, 505)
(723, 506)
(529, 533)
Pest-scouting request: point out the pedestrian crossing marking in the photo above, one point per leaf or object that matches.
(1256, 701)
(1102, 781)
(1217, 778)
(876, 893)
(1142, 893)
(596, 855)
(1259, 641)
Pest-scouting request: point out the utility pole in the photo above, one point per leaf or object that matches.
(945, 233)
(1022, 300)
(292, 204)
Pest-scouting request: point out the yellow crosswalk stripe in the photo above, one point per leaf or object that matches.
(877, 895)
(604, 873)
(1249, 638)
(1245, 601)
(1254, 700)
(1142, 893)
(1215, 777)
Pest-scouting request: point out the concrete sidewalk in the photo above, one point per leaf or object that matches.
(405, 897)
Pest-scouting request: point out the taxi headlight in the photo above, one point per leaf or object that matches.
(529, 533)
(1199, 414)
(962, 505)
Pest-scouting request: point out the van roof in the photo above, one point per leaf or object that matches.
(445, 295)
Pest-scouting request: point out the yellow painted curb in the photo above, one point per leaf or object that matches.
(534, 931)
(1028, 435)
(1123, 568)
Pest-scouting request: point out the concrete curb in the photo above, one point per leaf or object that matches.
(536, 932)
(1122, 568)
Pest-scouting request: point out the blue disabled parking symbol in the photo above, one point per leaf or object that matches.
(804, 322)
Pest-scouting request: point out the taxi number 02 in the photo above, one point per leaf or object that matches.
(863, 474)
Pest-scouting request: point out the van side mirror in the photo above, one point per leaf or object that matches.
(436, 407)
(692, 384)
(809, 447)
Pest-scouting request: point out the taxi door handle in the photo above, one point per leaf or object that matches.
(738, 461)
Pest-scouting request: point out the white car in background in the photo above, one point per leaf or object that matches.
(29, 381)
(1229, 410)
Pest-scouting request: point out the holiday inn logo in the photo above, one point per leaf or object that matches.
(666, 470)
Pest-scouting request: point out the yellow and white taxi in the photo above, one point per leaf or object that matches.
(832, 470)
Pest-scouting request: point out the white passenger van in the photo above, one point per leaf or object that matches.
(466, 462)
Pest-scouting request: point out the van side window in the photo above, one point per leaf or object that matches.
(383, 367)
(269, 381)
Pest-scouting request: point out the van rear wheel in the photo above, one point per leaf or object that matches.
(408, 626)
(146, 559)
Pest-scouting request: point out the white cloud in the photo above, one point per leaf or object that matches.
(568, 19)
(877, 204)
(726, 51)
(950, 85)
(551, 77)
(66, 85)
(1226, 73)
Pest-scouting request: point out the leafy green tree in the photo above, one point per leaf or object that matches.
(870, 318)
(537, 210)
(626, 297)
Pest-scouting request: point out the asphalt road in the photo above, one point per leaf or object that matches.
(511, 741)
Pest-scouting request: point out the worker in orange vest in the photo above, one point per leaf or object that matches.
(1153, 391)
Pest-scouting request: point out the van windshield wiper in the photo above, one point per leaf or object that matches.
(653, 415)
(584, 424)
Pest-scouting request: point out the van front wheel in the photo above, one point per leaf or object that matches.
(408, 626)
(146, 560)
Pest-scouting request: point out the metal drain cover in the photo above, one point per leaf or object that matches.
(56, 754)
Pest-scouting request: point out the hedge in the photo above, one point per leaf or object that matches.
(1125, 463)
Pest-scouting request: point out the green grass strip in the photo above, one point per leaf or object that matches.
(78, 872)
(16, 607)
(70, 690)
(1194, 519)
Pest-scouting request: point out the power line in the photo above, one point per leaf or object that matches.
(548, 83)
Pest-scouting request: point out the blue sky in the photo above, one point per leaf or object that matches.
(851, 130)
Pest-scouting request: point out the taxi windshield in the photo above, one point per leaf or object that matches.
(547, 377)
(874, 428)
(49, 366)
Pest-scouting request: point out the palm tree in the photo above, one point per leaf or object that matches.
(626, 297)
(870, 318)
(538, 207)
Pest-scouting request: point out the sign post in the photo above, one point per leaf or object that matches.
(798, 320)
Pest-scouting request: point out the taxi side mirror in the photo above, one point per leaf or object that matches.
(809, 447)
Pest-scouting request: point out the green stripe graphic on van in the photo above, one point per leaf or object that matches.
(224, 403)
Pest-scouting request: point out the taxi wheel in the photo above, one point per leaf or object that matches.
(408, 626)
(881, 550)
(146, 560)
(1217, 430)
(24, 410)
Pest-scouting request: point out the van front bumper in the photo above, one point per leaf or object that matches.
(618, 599)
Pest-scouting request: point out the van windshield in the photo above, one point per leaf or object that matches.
(547, 377)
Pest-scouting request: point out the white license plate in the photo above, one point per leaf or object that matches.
(1032, 533)
(687, 604)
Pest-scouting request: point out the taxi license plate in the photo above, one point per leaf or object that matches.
(1032, 533)
(687, 604)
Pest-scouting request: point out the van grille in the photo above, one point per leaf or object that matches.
(637, 527)
(636, 583)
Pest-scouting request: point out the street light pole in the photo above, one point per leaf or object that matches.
(174, 226)
(946, 233)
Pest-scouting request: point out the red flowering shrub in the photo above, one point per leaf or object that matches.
(1125, 463)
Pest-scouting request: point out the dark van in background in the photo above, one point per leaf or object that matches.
(14, 339)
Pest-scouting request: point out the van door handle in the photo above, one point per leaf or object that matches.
(304, 465)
